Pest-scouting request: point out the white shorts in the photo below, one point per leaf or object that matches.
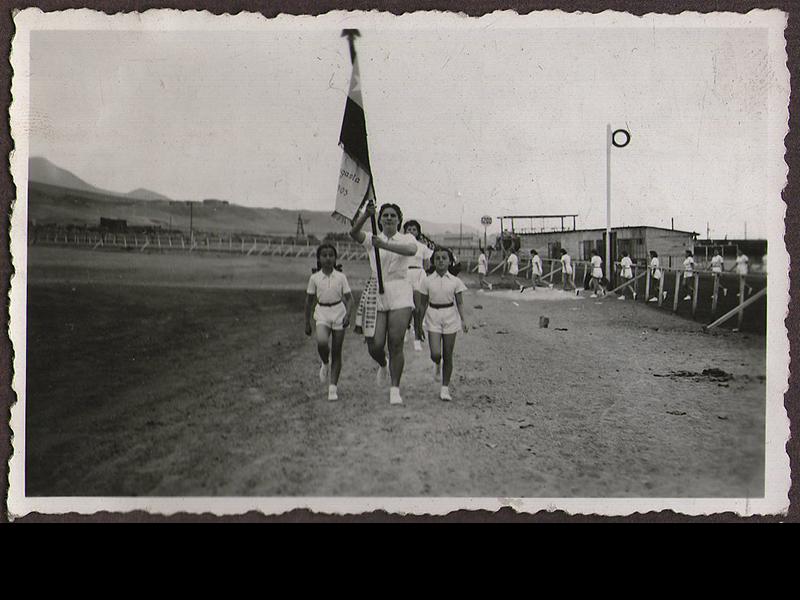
(396, 294)
(481, 271)
(514, 273)
(330, 316)
(415, 277)
(627, 274)
(597, 273)
(442, 320)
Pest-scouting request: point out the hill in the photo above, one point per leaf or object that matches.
(58, 197)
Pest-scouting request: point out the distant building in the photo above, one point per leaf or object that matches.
(637, 241)
(212, 202)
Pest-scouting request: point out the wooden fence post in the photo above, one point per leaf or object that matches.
(740, 316)
(661, 287)
(696, 292)
(677, 294)
(715, 294)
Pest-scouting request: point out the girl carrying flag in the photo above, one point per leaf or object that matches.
(395, 305)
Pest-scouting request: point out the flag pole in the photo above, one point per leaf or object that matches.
(351, 35)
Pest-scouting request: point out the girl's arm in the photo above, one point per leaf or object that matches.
(460, 307)
(309, 305)
(402, 248)
(423, 307)
(348, 305)
(355, 231)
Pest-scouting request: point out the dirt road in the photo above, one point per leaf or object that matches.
(179, 390)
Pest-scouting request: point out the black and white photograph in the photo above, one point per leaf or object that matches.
(418, 263)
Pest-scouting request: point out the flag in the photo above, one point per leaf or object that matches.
(355, 175)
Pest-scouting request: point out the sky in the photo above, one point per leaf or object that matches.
(463, 120)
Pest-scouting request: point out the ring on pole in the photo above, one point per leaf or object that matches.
(614, 138)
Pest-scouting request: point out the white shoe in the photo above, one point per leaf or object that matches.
(724, 291)
(593, 296)
(394, 396)
(382, 375)
(332, 393)
(653, 300)
(687, 297)
(490, 287)
(620, 297)
(634, 295)
(417, 346)
(444, 394)
(323, 373)
(665, 295)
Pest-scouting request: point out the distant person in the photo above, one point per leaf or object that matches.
(688, 275)
(742, 269)
(394, 306)
(566, 269)
(598, 289)
(536, 269)
(513, 268)
(417, 266)
(328, 288)
(626, 273)
(717, 267)
(655, 275)
(443, 316)
(483, 270)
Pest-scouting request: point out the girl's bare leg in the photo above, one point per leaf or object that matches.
(376, 343)
(323, 333)
(448, 345)
(336, 354)
(396, 325)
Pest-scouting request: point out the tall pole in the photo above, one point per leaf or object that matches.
(351, 35)
(608, 201)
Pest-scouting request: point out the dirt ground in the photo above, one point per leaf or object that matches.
(152, 375)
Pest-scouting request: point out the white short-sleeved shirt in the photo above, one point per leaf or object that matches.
(483, 264)
(423, 253)
(537, 264)
(688, 266)
(626, 263)
(654, 265)
(597, 266)
(741, 264)
(513, 264)
(393, 266)
(716, 263)
(566, 262)
(442, 289)
(328, 288)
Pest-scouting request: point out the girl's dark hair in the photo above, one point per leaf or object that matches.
(453, 268)
(593, 251)
(562, 250)
(690, 253)
(624, 253)
(396, 209)
(412, 223)
(533, 251)
(322, 247)
(653, 253)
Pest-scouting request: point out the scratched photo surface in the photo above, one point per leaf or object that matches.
(599, 338)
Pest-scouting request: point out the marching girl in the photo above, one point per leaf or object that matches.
(597, 275)
(536, 268)
(566, 268)
(417, 266)
(626, 272)
(328, 287)
(443, 315)
(655, 272)
(395, 305)
(483, 269)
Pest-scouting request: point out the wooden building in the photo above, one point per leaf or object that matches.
(671, 244)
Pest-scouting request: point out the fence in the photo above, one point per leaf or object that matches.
(162, 242)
